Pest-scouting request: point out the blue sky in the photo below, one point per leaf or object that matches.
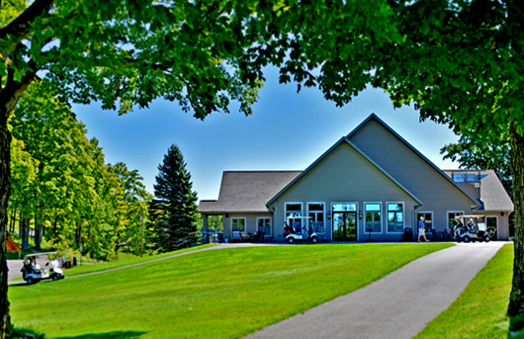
(287, 131)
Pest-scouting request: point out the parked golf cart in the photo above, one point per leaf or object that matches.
(471, 228)
(32, 272)
(300, 233)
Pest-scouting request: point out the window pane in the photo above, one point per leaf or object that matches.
(238, 225)
(372, 207)
(344, 207)
(316, 207)
(394, 207)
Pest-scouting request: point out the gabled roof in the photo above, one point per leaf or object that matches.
(345, 140)
(493, 196)
(247, 191)
(407, 144)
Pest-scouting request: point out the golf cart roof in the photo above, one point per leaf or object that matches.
(38, 254)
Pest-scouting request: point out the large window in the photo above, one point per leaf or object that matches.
(264, 225)
(238, 224)
(395, 217)
(316, 215)
(373, 211)
(451, 217)
(294, 210)
(428, 220)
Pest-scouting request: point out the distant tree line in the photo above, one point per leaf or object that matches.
(62, 184)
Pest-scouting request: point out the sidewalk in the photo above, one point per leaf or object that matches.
(397, 306)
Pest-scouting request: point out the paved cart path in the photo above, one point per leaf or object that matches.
(397, 306)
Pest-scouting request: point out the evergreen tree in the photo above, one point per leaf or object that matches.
(175, 204)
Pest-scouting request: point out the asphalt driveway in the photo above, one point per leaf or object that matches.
(397, 306)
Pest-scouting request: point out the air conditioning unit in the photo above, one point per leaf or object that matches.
(477, 185)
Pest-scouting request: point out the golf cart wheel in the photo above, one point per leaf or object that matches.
(55, 277)
(290, 240)
(314, 240)
(29, 280)
(466, 238)
(487, 238)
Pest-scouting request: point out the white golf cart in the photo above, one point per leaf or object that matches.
(32, 272)
(471, 228)
(298, 232)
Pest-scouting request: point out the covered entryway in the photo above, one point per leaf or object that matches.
(344, 216)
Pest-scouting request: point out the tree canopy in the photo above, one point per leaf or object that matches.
(60, 178)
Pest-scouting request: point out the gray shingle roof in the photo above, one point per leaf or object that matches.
(247, 191)
(493, 196)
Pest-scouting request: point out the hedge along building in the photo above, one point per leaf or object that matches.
(370, 184)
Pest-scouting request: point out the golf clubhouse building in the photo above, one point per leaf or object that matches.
(370, 184)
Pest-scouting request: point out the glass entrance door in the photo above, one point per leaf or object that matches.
(344, 222)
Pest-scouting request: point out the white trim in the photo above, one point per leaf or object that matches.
(270, 225)
(381, 216)
(403, 216)
(452, 211)
(331, 214)
(323, 212)
(231, 223)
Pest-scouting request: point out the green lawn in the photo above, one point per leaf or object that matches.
(212, 294)
(479, 312)
(89, 268)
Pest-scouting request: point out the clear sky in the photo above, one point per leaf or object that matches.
(287, 131)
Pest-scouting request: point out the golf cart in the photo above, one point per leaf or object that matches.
(471, 228)
(32, 272)
(298, 232)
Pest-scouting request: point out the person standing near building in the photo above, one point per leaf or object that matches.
(421, 231)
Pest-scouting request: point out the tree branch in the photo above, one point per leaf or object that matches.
(13, 90)
(20, 26)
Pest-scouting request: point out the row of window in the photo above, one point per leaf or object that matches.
(372, 212)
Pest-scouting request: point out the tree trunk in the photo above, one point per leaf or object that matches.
(12, 221)
(38, 231)
(516, 299)
(25, 233)
(5, 190)
(38, 235)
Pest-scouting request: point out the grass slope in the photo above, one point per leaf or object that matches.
(480, 311)
(83, 268)
(212, 294)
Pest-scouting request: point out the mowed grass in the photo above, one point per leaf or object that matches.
(480, 311)
(89, 268)
(83, 268)
(226, 293)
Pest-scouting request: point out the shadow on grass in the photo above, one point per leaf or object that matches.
(108, 335)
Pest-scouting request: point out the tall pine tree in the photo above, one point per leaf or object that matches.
(175, 204)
